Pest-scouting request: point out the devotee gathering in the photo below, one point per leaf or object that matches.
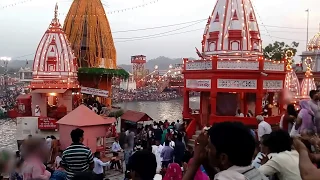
(162, 150)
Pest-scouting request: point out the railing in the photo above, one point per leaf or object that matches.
(240, 63)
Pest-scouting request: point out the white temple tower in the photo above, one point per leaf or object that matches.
(232, 28)
(54, 57)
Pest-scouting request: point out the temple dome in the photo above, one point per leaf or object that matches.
(314, 43)
(232, 28)
(54, 57)
(88, 30)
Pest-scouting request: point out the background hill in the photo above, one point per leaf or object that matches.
(162, 62)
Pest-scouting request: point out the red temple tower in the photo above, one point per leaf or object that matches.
(138, 69)
(232, 74)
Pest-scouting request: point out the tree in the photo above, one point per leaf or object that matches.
(277, 50)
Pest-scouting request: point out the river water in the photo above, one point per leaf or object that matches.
(161, 110)
(157, 110)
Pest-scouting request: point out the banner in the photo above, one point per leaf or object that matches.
(96, 92)
(198, 83)
(47, 123)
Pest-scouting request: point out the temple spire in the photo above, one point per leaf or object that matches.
(56, 12)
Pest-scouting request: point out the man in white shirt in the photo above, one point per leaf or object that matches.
(285, 164)
(263, 127)
(99, 166)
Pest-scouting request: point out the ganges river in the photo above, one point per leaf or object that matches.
(158, 110)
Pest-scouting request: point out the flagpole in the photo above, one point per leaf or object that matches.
(307, 30)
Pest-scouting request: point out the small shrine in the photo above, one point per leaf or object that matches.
(55, 89)
(312, 55)
(232, 75)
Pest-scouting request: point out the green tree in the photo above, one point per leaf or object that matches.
(277, 50)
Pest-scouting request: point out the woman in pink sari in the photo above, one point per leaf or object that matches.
(33, 167)
(174, 172)
(199, 175)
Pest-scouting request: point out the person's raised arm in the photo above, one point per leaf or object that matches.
(307, 170)
(200, 156)
(103, 163)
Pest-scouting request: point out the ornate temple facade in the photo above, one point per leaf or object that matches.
(232, 74)
(54, 78)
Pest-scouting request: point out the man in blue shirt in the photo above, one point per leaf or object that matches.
(166, 154)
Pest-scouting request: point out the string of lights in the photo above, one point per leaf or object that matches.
(119, 10)
(104, 4)
(14, 4)
(262, 22)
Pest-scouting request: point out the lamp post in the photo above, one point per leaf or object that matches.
(5, 76)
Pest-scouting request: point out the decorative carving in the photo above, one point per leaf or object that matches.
(237, 83)
(241, 65)
(270, 66)
(199, 65)
(273, 84)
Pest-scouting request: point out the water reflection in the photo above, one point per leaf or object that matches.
(8, 134)
(162, 110)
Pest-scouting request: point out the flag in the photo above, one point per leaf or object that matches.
(198, 52)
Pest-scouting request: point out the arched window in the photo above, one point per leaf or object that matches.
(212, 46)
(235, 45)
(256, 46)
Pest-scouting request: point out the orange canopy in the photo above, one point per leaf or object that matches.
(83, 116)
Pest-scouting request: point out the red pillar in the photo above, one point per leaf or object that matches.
(213, 99)
(245, 103)
(185, 112)
(259, 96)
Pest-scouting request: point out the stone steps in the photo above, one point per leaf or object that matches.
(192, 141)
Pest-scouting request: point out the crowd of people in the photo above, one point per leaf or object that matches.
(122, 95)
(223, 151)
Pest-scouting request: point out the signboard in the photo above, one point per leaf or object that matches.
(53, 83)
(96, 92)
(100, 144)
(198, 83)
(47, 123)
